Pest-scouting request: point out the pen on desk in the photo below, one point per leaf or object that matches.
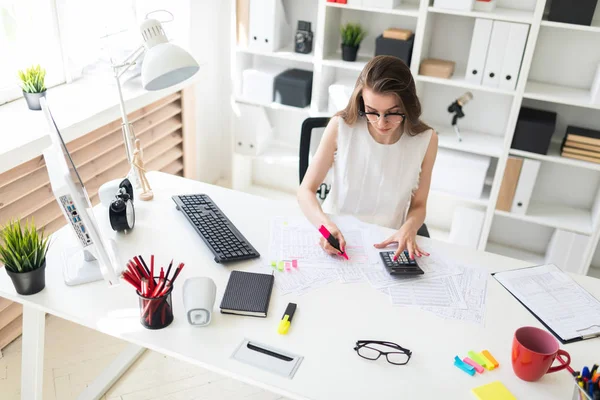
(332, 240)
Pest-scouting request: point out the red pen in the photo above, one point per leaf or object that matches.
(332, 241)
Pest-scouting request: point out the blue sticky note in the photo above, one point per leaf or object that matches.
(464, 366)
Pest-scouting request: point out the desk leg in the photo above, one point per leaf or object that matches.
(32, 366)
(111, 374)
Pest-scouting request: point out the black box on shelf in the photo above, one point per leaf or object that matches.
(293, 87)
(394, 47)
(578, 12)
(534, 130)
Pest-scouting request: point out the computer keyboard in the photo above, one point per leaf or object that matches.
(217, 231)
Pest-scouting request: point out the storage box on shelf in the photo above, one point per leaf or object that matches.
(293, 87)
(258, 84)
(565, 11)
(534, 130)
(401, 49)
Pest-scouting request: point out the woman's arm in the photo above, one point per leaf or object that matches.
(317, 170)
(406, 236)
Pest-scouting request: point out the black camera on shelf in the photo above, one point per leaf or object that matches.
(304, 38)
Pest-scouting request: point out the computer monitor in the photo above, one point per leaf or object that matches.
(93, 257)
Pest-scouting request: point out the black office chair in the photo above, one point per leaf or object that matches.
(308, 126)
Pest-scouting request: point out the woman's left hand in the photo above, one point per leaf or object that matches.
(406, 239)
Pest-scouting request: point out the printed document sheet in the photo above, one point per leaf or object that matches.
(555, 298)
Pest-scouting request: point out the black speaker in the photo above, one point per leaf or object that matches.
(578, 12)
(394, 47)
(534, 130)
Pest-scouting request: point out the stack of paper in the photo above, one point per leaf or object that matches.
(447, 289)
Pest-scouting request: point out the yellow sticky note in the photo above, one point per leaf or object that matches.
(493, 391)
(280, 266)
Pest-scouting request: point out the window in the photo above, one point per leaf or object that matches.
(28, 36)
(75, 38)
(93, 32)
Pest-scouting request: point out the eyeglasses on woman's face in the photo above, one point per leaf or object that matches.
(373, 349)
(392, 118)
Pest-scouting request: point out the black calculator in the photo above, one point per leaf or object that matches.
(403, 266)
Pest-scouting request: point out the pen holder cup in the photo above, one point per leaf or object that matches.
(156, 313)
(579, 393)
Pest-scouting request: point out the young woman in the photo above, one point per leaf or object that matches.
(382, 156)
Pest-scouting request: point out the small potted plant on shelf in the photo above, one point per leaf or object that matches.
(352, 35)
(23, 253)
(34, 88)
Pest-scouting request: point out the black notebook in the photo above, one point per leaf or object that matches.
(247, 293)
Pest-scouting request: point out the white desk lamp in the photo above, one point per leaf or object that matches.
(165, 65)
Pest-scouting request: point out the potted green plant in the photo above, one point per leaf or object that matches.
(23, 253)
(352, 35)
(34, 88)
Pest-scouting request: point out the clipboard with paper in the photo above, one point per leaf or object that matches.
(565, 308)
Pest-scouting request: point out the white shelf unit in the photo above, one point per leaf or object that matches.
(556, 74)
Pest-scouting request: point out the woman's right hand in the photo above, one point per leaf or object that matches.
(333, 229)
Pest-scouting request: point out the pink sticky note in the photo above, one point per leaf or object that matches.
(288, 266)
(295, 263)
(473, 364)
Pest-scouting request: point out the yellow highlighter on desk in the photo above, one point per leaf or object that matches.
(286, 320)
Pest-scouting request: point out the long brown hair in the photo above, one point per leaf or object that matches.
(387, 74)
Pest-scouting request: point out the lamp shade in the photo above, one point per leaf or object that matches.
(165, 64)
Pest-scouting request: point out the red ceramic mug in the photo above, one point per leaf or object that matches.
(533, 352)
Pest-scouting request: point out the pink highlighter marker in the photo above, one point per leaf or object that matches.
(332, 240)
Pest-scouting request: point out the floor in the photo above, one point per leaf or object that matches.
(75, 355)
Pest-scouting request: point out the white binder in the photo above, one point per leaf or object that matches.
(496, 51)
(517, 39)
(566, 250)
(479, 48)
(253, 130)
(466, 226)
(527, 178)
(268, 27)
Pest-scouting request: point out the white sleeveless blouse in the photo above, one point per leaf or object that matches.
(371, 181)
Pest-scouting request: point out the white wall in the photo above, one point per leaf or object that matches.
(210, 45)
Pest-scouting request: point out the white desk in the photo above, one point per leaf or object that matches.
(326, 325)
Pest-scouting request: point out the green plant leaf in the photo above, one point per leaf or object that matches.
(22, 247)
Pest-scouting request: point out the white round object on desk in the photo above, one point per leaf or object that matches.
(199, 298)
(108, 191)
